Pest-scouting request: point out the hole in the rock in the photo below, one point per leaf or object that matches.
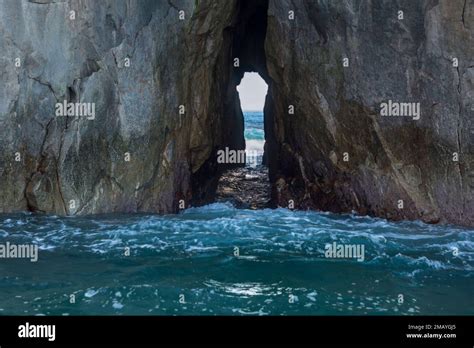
(248, 186)
(252, 92)
(235, 171)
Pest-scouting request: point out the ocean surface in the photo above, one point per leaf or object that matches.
(254, 136)
(218, 260)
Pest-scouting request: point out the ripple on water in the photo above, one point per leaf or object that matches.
(281, 253)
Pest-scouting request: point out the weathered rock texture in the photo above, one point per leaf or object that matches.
(245, 188)
(68, 165)
(337, 109)
(78, 166)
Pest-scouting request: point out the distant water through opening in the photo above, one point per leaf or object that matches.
(252, 92)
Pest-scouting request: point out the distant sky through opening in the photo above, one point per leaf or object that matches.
(252, 92)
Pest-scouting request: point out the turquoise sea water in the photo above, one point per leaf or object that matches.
(254, 125)
(280, 267)
(254, 137)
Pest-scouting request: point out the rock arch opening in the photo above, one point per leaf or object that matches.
(244, 180)
(252, 92)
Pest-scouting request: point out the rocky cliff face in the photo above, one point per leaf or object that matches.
(337, 152)
(162, 78)
(158, 80)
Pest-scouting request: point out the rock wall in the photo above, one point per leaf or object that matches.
(163, 84)
(336, 152)
(138, 61)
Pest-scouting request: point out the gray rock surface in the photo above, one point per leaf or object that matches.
(337, 108)
(73, 165)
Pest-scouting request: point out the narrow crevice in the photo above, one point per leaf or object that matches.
(31, 203)
(244, 41)
(463, 13)
(458, 135)
(244, 186)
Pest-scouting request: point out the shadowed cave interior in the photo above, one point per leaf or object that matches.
(248, 186)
